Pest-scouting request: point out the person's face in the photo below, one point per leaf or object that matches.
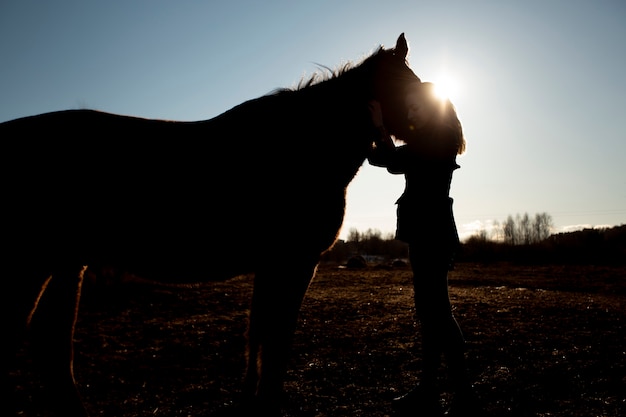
(420, 110)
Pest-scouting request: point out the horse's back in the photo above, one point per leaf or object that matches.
(96, 186)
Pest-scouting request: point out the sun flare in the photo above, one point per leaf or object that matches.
(446, 87)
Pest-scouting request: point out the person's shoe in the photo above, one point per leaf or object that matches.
(419, 402)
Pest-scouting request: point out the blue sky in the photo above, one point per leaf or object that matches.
(540, 85)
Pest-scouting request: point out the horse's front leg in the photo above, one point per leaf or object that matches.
(51, 328)
(276, 303)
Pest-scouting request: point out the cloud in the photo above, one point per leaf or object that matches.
(467, 230)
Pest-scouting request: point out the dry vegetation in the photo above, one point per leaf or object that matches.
(542, 341)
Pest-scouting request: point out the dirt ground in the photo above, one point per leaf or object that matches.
(542, 341)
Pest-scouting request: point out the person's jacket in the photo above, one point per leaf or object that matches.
(427, 161)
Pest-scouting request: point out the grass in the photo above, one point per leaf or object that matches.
(542, 341)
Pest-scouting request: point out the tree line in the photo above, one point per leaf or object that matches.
(522, 230)
(520, 238)
(370, 244)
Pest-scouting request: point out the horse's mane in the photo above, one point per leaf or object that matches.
(325, 73)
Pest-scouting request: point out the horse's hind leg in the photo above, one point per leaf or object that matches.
(51, 332)
(276, 303)
(17, 300)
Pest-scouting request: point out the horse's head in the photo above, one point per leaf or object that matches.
(391, 80)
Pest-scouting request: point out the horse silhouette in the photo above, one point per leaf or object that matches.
(187, 201)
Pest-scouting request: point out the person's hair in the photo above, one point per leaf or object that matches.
(445, 113)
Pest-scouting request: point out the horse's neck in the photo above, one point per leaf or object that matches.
(323, 130)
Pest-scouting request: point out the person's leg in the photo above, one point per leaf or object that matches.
(439, 330)
(442, 335)
(432, 306)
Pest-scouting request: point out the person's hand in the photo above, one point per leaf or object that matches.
(383, 140)
(376, 113)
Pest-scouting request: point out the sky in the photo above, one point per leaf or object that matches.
(539, 86)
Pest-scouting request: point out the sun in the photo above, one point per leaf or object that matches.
(446, 87)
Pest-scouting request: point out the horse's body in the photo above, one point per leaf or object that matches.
(186, 201)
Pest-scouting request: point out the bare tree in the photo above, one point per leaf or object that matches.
(354, 236)
(497, 232)
(510, 231)
(524, 231)
(542, 226)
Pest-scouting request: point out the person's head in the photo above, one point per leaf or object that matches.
(425, 108)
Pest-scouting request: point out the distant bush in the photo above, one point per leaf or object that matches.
(356, 262)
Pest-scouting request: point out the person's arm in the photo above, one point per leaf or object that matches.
(384, 146)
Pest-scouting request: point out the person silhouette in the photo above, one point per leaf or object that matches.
(425, 221)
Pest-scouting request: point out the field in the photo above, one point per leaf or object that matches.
(542, 341)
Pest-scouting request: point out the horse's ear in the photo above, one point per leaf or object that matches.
(402, 48)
